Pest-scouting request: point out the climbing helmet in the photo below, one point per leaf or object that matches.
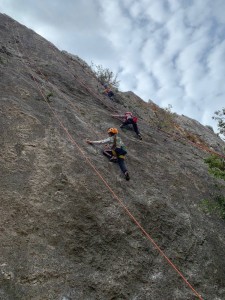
(113, 130)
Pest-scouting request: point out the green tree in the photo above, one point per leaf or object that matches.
(220, 118)
(104, 75)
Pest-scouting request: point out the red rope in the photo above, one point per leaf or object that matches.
(82, 83)
(108, 186)
(197, 145)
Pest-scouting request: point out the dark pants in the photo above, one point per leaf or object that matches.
(130, 121)
(110, 94)
(121, 161)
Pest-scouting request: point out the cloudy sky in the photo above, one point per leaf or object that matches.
(169, 51)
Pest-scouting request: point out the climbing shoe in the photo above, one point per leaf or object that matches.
(127, 176)
(139, 136)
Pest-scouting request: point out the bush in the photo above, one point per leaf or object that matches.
(220, 118)
(105, 76)
(165, 117)
(217, 205)
(216, 166)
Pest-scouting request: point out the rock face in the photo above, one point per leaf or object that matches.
(63, 233)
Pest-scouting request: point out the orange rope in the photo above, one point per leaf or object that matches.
(83, 84)
(92, 92)
(108, 186)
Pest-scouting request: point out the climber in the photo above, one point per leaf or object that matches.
(129, 119)
(107, 91)
(115, 150)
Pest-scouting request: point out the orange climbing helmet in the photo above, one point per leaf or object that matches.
(113, 130)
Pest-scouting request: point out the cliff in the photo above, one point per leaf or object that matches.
(64, 234)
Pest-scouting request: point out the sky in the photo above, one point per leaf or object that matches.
(169, 51)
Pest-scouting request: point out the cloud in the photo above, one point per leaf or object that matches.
(156, 10)
(170, 51)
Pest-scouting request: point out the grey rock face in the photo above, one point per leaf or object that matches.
(63, 234)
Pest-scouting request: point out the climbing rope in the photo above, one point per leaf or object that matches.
(62, 95)
(112, 109)
(75, 108)
(104, 181)
(81, 82)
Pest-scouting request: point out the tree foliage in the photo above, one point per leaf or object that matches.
(105, 76)
(216, 166)
(220, 118)
(215, 205)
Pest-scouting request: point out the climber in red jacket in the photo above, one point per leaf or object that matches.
(129, 119)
